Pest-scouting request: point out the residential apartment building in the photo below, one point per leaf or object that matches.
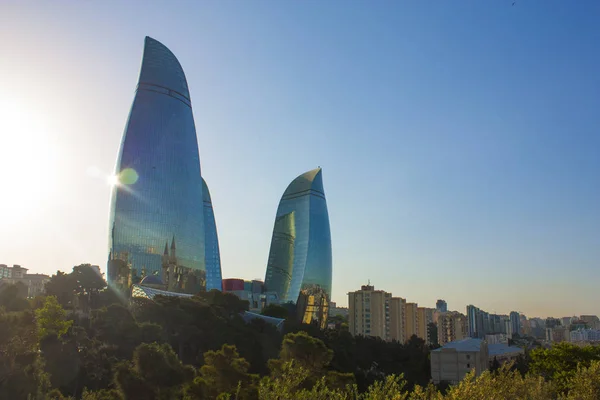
(397, 319)
(424, 318)
(592, 321)
(584, 335)
(412, 321)
(35, 283)
(452, 326)
(369, 312)
(515, 321)
(558, 334)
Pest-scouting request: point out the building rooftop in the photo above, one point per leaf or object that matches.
(468, 344)
(149, 293)
(151, 280)
(498, 349)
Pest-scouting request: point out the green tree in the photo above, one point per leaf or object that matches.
(21, 368)
(309, 352)
(585, 383)
(559, 363)
(104, 394)
(504, 384)
(289, 384)
(61, 362)
(154, 373)
(62, 286)
(51, 319)
(276, 311)
(14, 297)
(224, 373)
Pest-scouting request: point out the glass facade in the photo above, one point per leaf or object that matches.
(300, 254)
(213, 257)
(159, 193)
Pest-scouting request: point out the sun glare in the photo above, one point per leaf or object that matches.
(112, 180)
(28, 163)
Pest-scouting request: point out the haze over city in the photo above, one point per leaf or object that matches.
(459, 145)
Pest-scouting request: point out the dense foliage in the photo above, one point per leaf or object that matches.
(82, 341)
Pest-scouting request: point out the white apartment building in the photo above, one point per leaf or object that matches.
(585, 335)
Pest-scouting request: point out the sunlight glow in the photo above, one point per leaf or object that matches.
(28, 163)
(112, 180)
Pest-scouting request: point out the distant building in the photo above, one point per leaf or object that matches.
(334, 310)
(502, 352)
(508, 327)
(515, 321)
(412, 320)
(557, 334)
(538, 327)
(16, 271)
(369, 312)
(472, 313)
(584, 335)
(454, 360)
(552, 322)
(147, 289)
(424, 318)
(5, 271)
(592, 320)
(251, 291)
(35, 283)
(497, 338)
(398, 319)
(566, 321)
(452, 326)
(312, 306)
(578, 324)
(441, 305)
(300, 253)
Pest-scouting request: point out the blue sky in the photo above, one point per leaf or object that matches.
(459, 140)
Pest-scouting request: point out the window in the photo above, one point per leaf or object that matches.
(468, 365)
(468, 356)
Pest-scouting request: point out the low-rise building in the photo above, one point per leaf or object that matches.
(584, 335)
(451, 362)
(251, 291)
(592, 321)
(35, 283)
(334, 310)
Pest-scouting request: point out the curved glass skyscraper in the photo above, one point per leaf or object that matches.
(214, 278)
(300, 254)
(159, 194)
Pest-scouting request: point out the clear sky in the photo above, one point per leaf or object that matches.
(459, 140)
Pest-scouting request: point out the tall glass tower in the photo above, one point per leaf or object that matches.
(214, 278)
(300, 254)
(159, 193)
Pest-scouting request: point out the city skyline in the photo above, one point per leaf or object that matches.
(459, 143)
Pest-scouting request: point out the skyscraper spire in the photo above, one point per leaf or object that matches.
(173, 243)
(166, 252)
